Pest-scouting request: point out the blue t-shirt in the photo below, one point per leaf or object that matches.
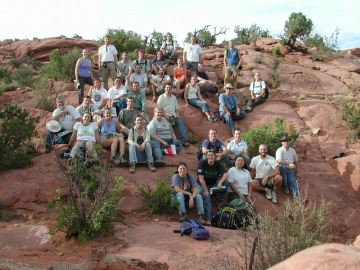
(230, 102)
(215, 147)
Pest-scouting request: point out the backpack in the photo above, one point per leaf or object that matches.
(200, 152)
(267, 93)
(193, 228)
(230, 218)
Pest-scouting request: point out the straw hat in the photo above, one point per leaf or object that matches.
(53, 126)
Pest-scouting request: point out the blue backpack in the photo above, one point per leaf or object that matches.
(194, 228)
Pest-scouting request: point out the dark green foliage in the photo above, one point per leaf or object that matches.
(5, 75)
(8, 87)
(325, 45)
(150, 50)
(127, 41)
(15, 63)
(16, 127)
(88, 210)
(77, 36)
(61, 66)
(297, 27)
(275, 51)
(248, 35)
(46, 95)
(35, 63)
(270, 135)
(23, 76)
(156, 40)
(351, 114)
(204, 38)
(6, 215)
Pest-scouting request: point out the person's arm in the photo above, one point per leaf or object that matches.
(222, 180)
(178, 189)
(239, 57)
(167, 81)
(261, 94)
(245, 153)
(61, 114)
(157, 138)
(225, 58)
(99, 122)
(173, 135)
(72, 139)
(236, 190)
(97, 137)
(228, 114)
(224, 152)
(115, 59)
(203, 184)
(250, 188)
(201, 55)
(199, 94)
(90, 71)
(78, 63)
(99, 59)
(252, 172)
(186, 94)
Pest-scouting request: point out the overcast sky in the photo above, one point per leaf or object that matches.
(90, 19)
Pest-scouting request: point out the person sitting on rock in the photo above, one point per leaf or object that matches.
(180, 79)
(139, 145)
(139, 77)
(124, 67)
(193, 97)
(287, 158)
(111, 137)
(116, 95)
(265, 171)
(232, 63)
(217, 146)
(107, 56)
(98, 95)
(159, 62)
(145, 65)
(206, 85)
(158, 83)
(161, 136)
(169, 47)
(86, 106)
(192, 54)
(230, 108)
(168, 103)
(61, 124)
(257, 89)
(184, 184)
(140, 100)
(211, 178)
(127, 115)
(240, 181)
(85, 133)
(237, 147)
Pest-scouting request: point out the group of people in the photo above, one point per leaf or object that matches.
(262, 173)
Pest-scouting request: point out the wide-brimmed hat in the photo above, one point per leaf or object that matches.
(228, 85)
(53, 126)
(285, 138)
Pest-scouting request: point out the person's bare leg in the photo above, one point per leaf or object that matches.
(235, 82)
(122, 145)
(256, 186)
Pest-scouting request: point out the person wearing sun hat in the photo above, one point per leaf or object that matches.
(287, 159)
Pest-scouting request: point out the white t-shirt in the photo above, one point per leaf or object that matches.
(264, 166)
(140, 78)
(114, 93)
(237, 149)
(193, 52)
(240, 178)
(107, 53)
(98, 96)
(67, 122)
(259, 86)
(158, 79)
(86, 133)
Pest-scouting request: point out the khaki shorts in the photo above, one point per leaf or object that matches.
(268, 182)
(231, 71)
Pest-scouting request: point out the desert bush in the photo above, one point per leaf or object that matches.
(259, 59)
(5, 75)
(23, 76)
(7, 87)
(91, 205)
(351, 115)
(193, 138)
(6, 215)
(150, 50)
(270, 135)
(61, 66)
(248, 35)
(275, 51)
(77, 36)
(325, 45)
(156, 40)
(35, 63)
(15, 63)
(16, 127)
(250, 66)
(46, 95)
(158, 200)
(127, 41)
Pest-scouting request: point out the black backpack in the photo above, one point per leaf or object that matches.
(267, 93)
(230, 218)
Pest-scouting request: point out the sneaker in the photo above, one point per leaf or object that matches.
(182, 217)
(248, 109)
(151, 166)
(202, 219)
(274, 197)
(210, 119)
(268, 193)
(132, 168)
(48, 149)
(159, 162)
(214, 119)
(286, 189)
(122, 160)
(185, 143)
(114, 160)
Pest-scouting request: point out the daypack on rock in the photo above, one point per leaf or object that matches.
(230, 218)
(267, 93)
(194, 228)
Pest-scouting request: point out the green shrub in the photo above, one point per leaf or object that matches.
(248, 35)
(325, 45)
(77, 36)
(8, 87)
(150, 50)
(351, 115)
(46, 95)
(270, 135)
(91, 204)
(259, 60)
(16, 127)
(15, 63)
(23, 76)
(275, 51)
(35, 63)
(157, 201)
(297, 27)
(5, 75)
(61, 66)
(127, 41)
(6, 215)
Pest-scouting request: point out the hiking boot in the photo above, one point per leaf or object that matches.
(210, 119)
(185, 143)
(48, 149)
(248, 109)
(202, 219)
(214, 119)
(114, 160)
(151, 166)
(159, 162)
(286, 189)
(182, 217)
(122, 160)
(268, 193)
(274, 197)
(132, 168)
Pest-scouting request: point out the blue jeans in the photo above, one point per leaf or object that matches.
(181, 127)
(136, 156)
(180, 197)
(199, 103)
(230, 120)
(62, 140)
(289, 180)
(207, 200)
(156, 146)
(247, 160)
(119, 105)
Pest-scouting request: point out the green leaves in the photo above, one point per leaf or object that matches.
(351, 114)
(297, 27)
(248, 35)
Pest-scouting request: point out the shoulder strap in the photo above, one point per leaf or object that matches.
(137, 61)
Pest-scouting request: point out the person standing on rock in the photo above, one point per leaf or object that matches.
(107, 56)
(192, 54)
(266, 171)
(257, 89)
(124, 67)
(287, 158)
(232, 63)
(83, 73)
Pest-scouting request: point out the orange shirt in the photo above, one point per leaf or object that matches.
(179, 73)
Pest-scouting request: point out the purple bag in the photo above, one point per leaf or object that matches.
(195, 229)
